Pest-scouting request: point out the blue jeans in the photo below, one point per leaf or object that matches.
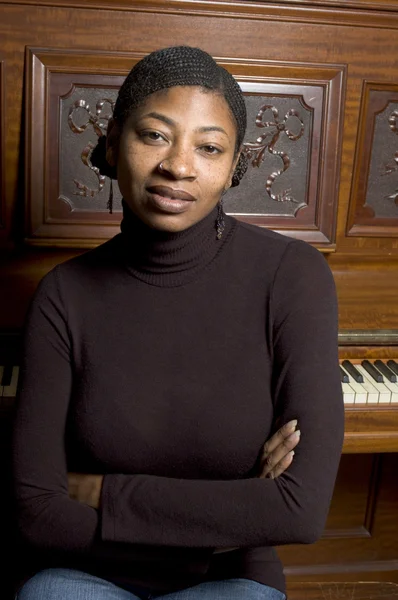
(68, 584)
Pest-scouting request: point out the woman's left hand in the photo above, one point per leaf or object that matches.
(278, 451)
(85, 488)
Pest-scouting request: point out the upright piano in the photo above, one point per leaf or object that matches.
(320, 78)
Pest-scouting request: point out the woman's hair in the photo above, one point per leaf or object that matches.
(166, 68)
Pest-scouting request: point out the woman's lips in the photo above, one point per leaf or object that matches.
(169, 199)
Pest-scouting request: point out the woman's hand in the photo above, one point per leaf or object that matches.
(278, 451)
(276, 457)
(85, 488)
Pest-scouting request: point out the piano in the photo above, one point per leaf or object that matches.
(369, 373)
(369, 384)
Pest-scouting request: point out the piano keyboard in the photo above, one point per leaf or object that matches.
(8, 385)
(363, 382)
(369, 383)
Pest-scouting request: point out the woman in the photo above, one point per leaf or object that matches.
(161, 361)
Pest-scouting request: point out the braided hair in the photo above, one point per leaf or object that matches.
(166, 68)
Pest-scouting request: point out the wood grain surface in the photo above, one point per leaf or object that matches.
(343, 591)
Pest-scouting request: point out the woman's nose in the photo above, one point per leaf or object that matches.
(179, 165)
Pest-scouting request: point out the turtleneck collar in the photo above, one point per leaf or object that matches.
(171, 259)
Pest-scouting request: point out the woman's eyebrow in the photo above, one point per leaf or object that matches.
(168, 121)
(160, 117)
(212, 128)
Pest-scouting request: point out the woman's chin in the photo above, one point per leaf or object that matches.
(175, 217)
(171, 222)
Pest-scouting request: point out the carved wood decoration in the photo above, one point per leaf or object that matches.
(2, 146)
(292, 142)
(374, 197)
(66, 201)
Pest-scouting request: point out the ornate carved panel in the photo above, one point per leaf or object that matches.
(374, 196)
(293, 145)
(292, 142)
(83, 112)
(66, 200)
(2, 145)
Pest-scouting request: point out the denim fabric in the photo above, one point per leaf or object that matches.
(68, 584)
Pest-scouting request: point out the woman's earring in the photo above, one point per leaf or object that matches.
(220, 223)
(109, 206)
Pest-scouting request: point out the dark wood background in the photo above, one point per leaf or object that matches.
(356, 38)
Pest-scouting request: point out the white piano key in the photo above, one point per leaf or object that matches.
(10, 391)
(383, 392)
(373, 394)
(348, 393)
(393, 387)
(361, 395)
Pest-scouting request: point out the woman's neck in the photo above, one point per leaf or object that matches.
(170, 259)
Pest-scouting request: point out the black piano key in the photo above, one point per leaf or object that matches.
(373, 372)
(343, 376)
(7, 374)
(391, 364)
(355, 374)
(382, 367)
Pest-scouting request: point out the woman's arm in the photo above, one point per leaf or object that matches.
(276, 457)
(47, 517)
(306, 386)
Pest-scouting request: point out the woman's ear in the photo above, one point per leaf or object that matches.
(112, 142)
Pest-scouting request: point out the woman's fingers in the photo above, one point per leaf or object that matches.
(279, 437)
(277, 461)
(85, 488)
(280, 467)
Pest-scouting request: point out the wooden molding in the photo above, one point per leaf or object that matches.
(355, 13)
(370, 429)
(342, 590)
(338, 568)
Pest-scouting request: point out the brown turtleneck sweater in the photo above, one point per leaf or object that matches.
(165, 361)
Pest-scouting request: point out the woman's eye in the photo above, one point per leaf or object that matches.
(153, 136)
(211, 149)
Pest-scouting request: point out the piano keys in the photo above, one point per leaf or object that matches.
(371, 407)
(377, 385)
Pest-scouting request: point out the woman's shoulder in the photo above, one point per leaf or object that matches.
(254, 238)
(94, 264)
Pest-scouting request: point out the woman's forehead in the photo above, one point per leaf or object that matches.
(193, 105)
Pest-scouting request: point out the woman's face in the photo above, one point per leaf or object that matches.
(176, 156)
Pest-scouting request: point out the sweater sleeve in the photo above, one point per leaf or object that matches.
(306, 385)
(47, 517)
